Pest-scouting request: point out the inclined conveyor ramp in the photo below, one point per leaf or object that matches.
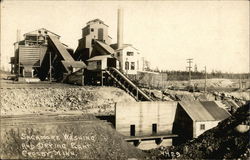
(124, 82)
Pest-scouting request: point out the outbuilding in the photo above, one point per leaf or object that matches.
(195, 117)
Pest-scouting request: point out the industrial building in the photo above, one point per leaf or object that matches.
(129, 58)
(42, 56)
(96, 31)
(165, 123)
(95, 41)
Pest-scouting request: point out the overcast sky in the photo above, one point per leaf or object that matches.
(213, 33)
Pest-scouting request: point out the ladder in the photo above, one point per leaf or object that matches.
(124, 82)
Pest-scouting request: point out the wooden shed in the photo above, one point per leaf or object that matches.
(194, 118)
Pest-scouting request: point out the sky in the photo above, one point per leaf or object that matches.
(214, 33)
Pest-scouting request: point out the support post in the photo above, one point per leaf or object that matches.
(50, 76)
(101, 78)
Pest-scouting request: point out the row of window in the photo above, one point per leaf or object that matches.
(128, 54)
(154, 129)
(132, 66)
(132, 129)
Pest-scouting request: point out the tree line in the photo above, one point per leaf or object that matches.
(184, 75)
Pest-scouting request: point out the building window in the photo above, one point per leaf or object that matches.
(132, 130)
(130, 53)
(132, 65)
(154, 128)
(98, 62)
(92, 29)
(118, 54)
(126, 65)
(202, 127)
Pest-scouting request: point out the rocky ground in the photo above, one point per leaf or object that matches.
(229, 140)
(94, 100)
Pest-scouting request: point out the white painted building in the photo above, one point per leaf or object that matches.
(129, 58)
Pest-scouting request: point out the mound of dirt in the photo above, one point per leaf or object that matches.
(226, 141)
(85, 99)
(41, 137)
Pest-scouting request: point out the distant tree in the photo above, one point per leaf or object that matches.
(146, 65)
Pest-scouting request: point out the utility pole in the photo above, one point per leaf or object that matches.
(189, 61)
(205, 88)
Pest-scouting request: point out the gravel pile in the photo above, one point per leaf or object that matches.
(86, 99)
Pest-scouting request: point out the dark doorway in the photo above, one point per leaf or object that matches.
(132, 130)
(111, 62)
(154, 128)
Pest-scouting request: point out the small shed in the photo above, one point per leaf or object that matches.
(194, 117)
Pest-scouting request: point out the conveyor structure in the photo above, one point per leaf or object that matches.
(123, 81)
(61, 60)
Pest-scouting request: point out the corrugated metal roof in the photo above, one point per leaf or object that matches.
(96, 58)
(196, 111)
(217, 112)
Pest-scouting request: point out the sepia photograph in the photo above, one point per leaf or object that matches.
(129, 80)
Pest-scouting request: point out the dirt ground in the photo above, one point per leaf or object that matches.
(41, 99)
(57, 97)
(83, 137)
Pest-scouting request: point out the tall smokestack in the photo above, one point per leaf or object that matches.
(18, 35)
(18, 38)
(120, 28)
